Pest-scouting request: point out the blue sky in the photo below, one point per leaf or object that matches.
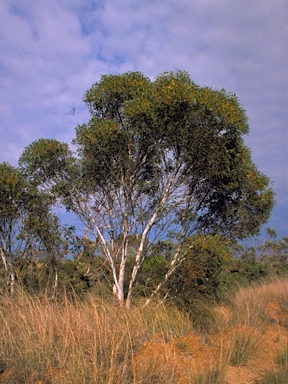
(52, 51)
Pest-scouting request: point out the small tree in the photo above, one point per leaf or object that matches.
(12, 187)
(274, 252)
(27, 225)
(156, 159)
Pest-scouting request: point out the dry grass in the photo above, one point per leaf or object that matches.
(244, 343)
(249, 311)
(273, 377)
(77, 342)
(280, 374)
(249, 304)
(81, 341)
(212, 374)
(282, 358)
(95, 341)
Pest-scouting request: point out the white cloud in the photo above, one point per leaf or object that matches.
(52, 51)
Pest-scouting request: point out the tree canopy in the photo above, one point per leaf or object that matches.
(157, 159)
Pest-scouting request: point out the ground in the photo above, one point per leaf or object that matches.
(194, 353)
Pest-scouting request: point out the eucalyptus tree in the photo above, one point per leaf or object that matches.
(157, 159)
(28, 228)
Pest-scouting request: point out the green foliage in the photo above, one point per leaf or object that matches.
(50, 165)
(13, 195)
(212, 269)
(256, 263)
(29, 231)
(207, 259)
(46, 159)
(247, 269)
(141, 131)
(274, 253)
(151, 273)
(12, 190)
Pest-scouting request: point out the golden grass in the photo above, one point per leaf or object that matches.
(249, 304)
(79, 342)
(95, 341)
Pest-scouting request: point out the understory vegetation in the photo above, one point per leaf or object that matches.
(212, 269)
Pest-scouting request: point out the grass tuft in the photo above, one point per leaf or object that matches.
(211, 375)
(244, 343)
(273, 377)
(282, 358)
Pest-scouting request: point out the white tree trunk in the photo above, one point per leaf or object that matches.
(9, 272)
(139, 255)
